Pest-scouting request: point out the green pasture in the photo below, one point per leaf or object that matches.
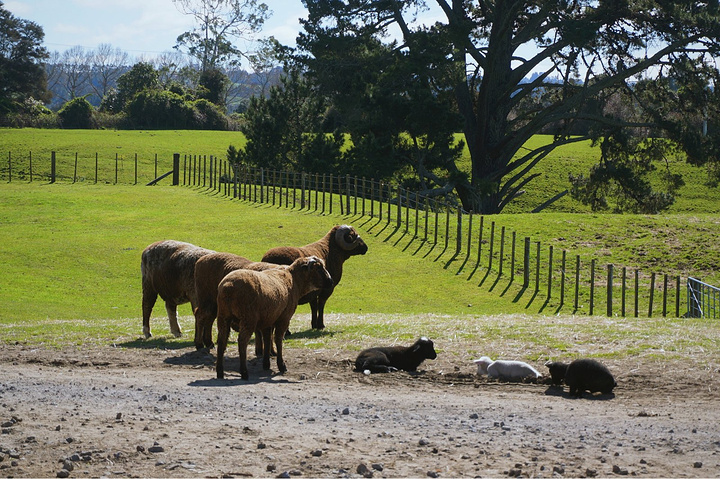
(116, 153)
(71, 276)
(71, 257)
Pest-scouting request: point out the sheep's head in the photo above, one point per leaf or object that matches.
(483, 363)
(425, 348)
(557, 371)
(349, 240)
(317, 274)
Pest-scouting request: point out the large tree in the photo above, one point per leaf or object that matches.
(587, 53)
(21, 55)
(218, 23)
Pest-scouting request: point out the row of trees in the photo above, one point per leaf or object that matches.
(637, 78)
(192, 87)
(371, 92)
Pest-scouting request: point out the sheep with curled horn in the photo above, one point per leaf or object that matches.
(336, 247)
(264, 300)
(168, 269)
(209, 271)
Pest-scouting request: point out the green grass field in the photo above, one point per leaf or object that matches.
(72, 253)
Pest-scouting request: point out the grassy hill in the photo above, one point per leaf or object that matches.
(71, 252)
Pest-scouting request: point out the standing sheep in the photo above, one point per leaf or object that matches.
(392, 358)
(264, 300)
(168, 270)
(506, 370)
(209, 271)
(339, 244)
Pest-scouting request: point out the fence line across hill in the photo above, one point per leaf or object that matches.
(478, 246)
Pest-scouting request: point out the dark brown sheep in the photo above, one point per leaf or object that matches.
(339, 244)
(168, 270)
(209, 271)
(264, 300)
(392, 358)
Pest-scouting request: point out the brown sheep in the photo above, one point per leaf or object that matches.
(265, 300)
(209, 271)
(339, 244)
(168, 270)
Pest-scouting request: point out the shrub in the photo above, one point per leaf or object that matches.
(76, 113)
(209, 116)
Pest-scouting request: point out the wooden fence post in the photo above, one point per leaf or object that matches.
(502, 251)
(469, 235)
(512, 260)
(447, 225)
(526, 263)
(592, 286)
(331, 193)
(458, 240)
(75, 169)
(562, 278)
(665, 287)
(577, 282)
(537, 267)
(31, 170)
(53, 170)
(492, 245)
(677, 297)
(480, 240)
(9, 167)
(624, 286)
(637, 293)
(609, 289)
(347, 187)
(550, 271)
(652, 294)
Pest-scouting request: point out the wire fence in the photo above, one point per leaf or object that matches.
(480, 247)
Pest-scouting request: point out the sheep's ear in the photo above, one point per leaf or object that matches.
(415, 349)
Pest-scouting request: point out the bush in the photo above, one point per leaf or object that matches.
(159, 110)
(76, 113)
(208, 116)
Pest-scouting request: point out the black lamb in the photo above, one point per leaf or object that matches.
(588, 375)
(392, 358)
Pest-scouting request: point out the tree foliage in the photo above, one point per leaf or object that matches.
(22, 76)
(284, 131)
(218, 23)
(77, 113)
(657, 54)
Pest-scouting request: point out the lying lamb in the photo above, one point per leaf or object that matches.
(506, 370)
(588, 375)
(392, 358)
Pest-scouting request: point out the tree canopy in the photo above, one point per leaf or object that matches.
(515, 68)
(22, 76)
(218, 23)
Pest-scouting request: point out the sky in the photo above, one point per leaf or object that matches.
(142, 28)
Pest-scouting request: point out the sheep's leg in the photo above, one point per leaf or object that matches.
(260, 343)
(171, 309)
(204, 318)
(316, 318)
(266, 338)
(279, 335)
(317, 305)
(243, 340)
(223, 334)
(148, 301)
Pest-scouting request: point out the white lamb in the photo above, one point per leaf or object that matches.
(506, 370)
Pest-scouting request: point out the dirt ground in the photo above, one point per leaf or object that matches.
(122, 412)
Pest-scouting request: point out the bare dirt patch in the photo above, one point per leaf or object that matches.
(123, 412)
